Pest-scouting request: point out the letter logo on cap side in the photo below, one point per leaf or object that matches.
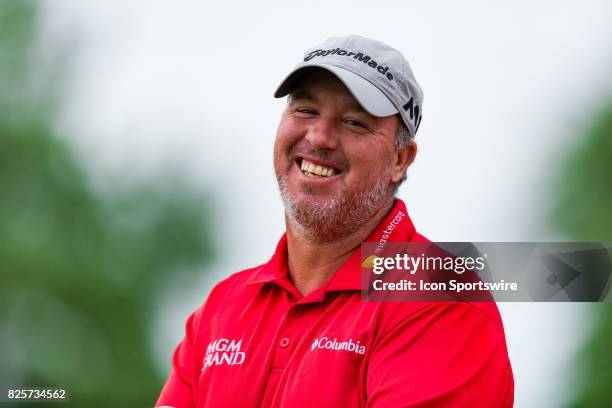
(414, 112)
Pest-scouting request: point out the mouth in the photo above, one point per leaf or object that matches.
(316, 170)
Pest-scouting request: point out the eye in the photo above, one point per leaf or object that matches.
(355, 123)
(305, 111)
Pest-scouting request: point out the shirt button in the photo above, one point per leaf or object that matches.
(298, 311)
(284, 342)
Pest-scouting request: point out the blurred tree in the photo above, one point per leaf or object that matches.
(79, 272)
(584, 208)
(584, 213)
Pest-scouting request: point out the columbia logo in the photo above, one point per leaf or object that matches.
(350, 345)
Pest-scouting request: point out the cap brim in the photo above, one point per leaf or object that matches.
(372, 99)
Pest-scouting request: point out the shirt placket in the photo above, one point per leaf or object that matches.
(289, 336)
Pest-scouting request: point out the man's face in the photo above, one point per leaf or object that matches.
(335, 163)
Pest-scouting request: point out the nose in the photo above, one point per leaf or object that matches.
(322, 135)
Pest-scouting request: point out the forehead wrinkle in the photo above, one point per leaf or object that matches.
(319, 82)
(356, 107)
(325, 81)
(300, 93)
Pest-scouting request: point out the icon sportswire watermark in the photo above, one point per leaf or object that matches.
(487, 271)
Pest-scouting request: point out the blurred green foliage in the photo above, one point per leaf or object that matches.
(584, 210)
(80, 271)
(584, 213)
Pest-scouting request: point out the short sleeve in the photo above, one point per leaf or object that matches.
(442, 355)
(178, 392)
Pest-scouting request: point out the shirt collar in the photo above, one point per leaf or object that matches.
(396, 227)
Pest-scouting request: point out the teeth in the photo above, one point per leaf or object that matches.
(314, 170)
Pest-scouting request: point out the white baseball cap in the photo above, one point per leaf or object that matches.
(378, 76)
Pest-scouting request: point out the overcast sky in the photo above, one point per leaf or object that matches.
(508, 87)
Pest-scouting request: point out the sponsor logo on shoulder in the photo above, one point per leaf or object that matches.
(333, 344)
(386, 234)
(223, 352)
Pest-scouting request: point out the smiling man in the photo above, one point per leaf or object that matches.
(294, 332)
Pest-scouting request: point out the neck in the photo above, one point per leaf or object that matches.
(311, 263)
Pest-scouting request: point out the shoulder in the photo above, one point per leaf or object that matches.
(451, 354)
(230, 291)
(235, 284)
(467, 322)
(238, 278)
(445, 332)
(485, 312)
(417, 237)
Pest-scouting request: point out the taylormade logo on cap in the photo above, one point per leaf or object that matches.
(366, 59)
(377, 75)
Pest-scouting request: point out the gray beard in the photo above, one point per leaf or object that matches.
(340, 216)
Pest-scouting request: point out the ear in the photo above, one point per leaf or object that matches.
(404, 156)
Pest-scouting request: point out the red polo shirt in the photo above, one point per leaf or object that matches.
(257, 342)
